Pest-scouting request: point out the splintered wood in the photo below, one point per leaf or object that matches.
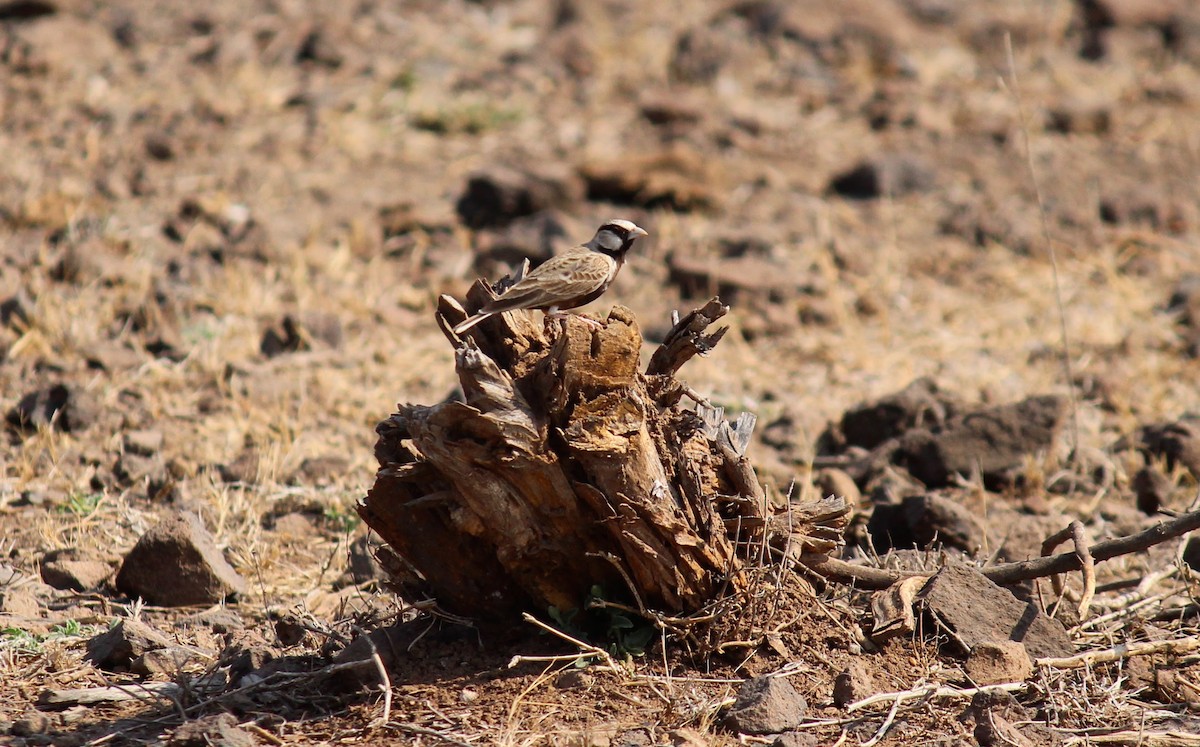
(565, 467)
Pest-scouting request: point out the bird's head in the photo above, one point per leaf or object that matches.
(615, 237)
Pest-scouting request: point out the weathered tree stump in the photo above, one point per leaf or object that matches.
(565, 466)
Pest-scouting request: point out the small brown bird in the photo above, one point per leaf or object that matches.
(571, 279)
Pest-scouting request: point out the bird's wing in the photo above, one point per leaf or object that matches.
(567, 276)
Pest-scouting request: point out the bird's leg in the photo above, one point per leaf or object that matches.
(564, 317)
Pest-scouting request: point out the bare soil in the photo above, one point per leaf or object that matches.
(223, 231)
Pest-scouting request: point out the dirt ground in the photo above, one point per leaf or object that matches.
(224, 227)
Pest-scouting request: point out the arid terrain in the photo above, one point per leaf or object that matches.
(224, 228)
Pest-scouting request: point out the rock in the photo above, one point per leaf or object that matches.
(852, 684)
(159, 147)
(936, 518)
(362, 565)
(921, 404)
(796, 739)
(168, 660)
(218, 730)
(677, 178)
(316, 47)
(289, 337)
(1152, 488)
(833, 481)
(116, 648)
(176, 563)
(573, 679)
(1147, 207)
(497, 196)
(996, 441)
(886, 174)
(957, 598)
(16, 311)
(143, 442)
(1080, 118)
(71, 570)
(699, 55)
(320, 471)
(993, 662)
(1191, 553)
(294, 525)
(62, 407)
(671, 109)
(767, 705)
(1177, 442)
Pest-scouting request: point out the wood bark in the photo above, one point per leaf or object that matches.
(565, 466)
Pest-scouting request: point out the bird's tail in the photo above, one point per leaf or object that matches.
(471, 322)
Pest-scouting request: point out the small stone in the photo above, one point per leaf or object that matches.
(176, 563)
(767, 705)
(168, 660)
(31, 725)
(1080, 118)
(69, 570)
(573, 679)
(833, 481)
(975, 610)
(62, 407)
(218, 730)
(852, 684)
(887, 174)
(1152, 489)
(497, 196)
(994, 662)
(796, 739)
(143, 442)
(935, 518)
(116, 648)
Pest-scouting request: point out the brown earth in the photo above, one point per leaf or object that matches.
(223, 229)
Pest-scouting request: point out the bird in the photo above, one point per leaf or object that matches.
(571, 279)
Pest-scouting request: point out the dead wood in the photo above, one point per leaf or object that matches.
(1010, 573)
(564, 467)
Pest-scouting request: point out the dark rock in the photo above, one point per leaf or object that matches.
(677, 178)
(66, 408)
(1147, 207)
(935, 518)
(994, 441)
(116, 648)
(168, 660)
(536, 237)
(70, 570)
(1080, 118)
(1191, 553)
(1152, 488)
(158, 147)
(956, 597)
(26, 10)
(921, 404)
(497, 196)
(887, 174)
(796, 739)
(1178, 443)
(218, 730)
(671, 109)
(699, 55)
(176, 563)
(31, 725)
(852, 684)
(288, 338)
(16, 311)
(317, 47)
(767, 705)
(993, 662)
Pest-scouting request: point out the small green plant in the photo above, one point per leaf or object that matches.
(341, 519)
(81, 503)
(22, 641)
(466, 119)
(623, 634)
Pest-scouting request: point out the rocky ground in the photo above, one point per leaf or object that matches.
(961, 242)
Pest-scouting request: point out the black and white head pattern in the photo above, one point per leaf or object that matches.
(615, 237)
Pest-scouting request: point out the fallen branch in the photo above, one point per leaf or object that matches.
(1121, 651)
(1010, 573)
(1078, 535)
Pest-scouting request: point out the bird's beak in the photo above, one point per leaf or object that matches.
(638, 231)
